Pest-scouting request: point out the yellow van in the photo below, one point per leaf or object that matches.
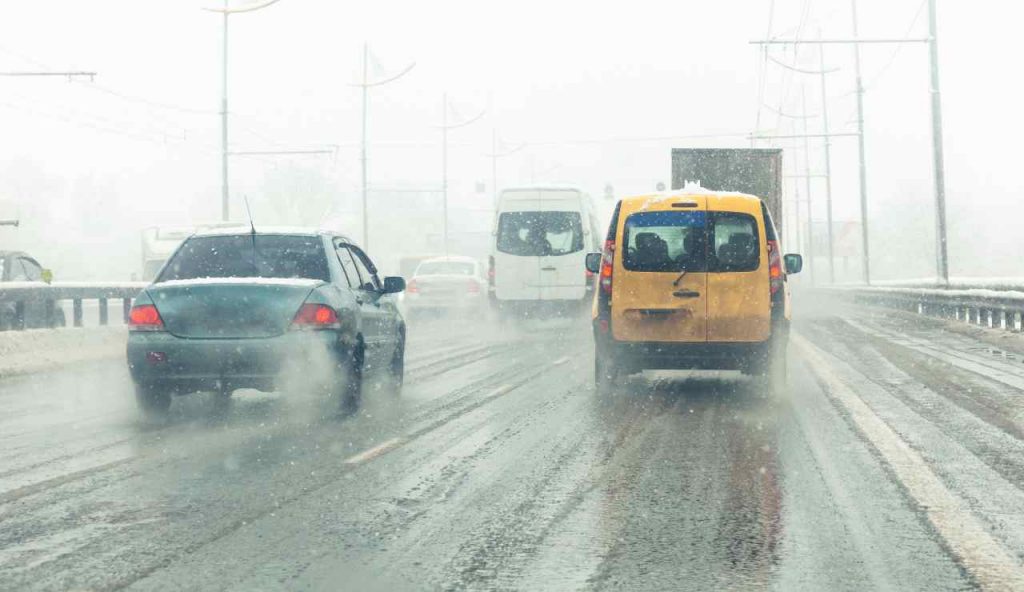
(691, 280)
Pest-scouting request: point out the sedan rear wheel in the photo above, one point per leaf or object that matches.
(396, 368)
(350, 383)
(153, 401)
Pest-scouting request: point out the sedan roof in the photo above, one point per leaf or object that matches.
(263, 230)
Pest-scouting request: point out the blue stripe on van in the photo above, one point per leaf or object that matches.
(685, 219)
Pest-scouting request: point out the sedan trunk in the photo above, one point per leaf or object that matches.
(229, 308)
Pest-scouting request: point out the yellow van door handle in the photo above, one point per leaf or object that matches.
(686, 294)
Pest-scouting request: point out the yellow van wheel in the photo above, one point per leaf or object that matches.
(606, 375)
(769, 373)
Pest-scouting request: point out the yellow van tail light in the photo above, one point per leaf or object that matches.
(607, 257)
(775, 275)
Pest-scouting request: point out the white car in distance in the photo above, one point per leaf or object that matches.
(453, 284)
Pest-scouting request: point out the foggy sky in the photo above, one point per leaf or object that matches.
(86, 166)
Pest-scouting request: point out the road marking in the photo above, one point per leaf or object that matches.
(32, 488)
(560, 361)
(372, 453)
(991, 565)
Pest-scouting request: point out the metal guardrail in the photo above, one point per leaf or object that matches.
(25, 294)
(1002, 309)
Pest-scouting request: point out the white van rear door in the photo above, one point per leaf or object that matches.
(516, 269)
(562, 270)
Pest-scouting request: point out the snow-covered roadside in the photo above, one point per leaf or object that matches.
(37, 350)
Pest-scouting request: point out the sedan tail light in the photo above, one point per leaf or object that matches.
(412, 287)
(315, 316)
(472, 287)
(145, 317)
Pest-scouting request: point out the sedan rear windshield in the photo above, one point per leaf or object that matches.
(540, 234)
(264, 256)
(445, 268)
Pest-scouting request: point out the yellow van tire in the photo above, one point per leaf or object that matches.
(769, 371)
(606, 375)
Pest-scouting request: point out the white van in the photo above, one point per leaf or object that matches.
(541, 238)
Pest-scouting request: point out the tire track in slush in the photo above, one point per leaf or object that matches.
(988, 562)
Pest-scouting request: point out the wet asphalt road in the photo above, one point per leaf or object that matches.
(499, 468)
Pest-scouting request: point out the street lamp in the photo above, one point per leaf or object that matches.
(444, 160)
(494, 155)
(365, 85)
(224, 210)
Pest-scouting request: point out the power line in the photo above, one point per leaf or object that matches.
(899, 47)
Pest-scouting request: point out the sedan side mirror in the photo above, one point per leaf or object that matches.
(593, 262)
(794, 263)
(393, 285)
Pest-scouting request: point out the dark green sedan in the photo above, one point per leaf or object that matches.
(270, 310)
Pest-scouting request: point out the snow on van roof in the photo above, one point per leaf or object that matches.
(688, 190)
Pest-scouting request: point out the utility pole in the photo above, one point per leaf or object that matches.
(807, 180)
(494, 156)
(444, 171)
(937, 148)
(225, 12)
(862, 168)
(444, 162)
(828, 163)
(225, 206)
(822, 71)
(365, 85)
(796, 205)
(938, 170)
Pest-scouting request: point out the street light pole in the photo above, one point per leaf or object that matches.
(362, 152)
(807, 180)
(224, 203)
(365, 85)
(225, 12)
(866, 255)
(444, 171)
(444, 161)
(494, 156)
(938, 170)
(828, 164)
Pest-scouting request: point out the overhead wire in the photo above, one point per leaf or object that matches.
(153, 105)
(899, 47)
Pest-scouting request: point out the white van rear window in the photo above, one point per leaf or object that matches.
(540, 234)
